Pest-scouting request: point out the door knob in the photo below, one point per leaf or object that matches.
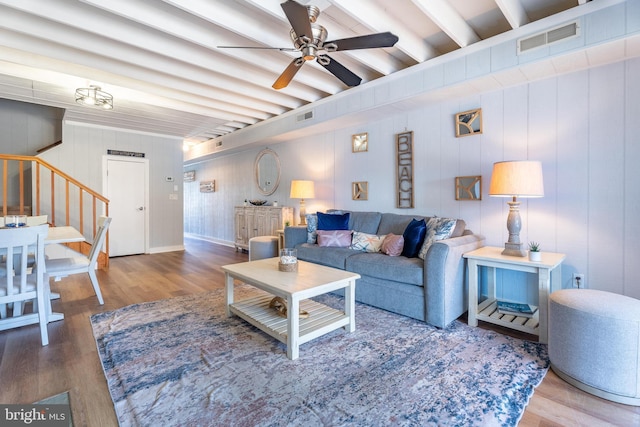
(141, 208)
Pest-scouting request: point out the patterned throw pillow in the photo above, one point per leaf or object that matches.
(312, 226)
(437, 229)
(334, 238)
(392, 244)
(366, 242)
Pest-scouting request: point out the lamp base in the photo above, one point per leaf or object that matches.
(514, 249)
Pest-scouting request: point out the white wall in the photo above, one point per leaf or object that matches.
(80, 155)
(582, 126)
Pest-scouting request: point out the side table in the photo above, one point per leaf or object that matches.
(548, 269)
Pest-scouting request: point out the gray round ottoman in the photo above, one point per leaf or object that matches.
(263, 247)
(594, 339)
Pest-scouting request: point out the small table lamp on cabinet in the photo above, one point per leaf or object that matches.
(516, 179)
(302, 190)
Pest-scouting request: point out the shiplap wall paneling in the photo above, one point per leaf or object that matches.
(631, 246)
(542, 146)
(572, 185)
(493, 220)
(606, 177)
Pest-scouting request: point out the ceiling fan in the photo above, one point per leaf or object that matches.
(309, 39)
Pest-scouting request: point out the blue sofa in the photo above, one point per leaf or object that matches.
(433, 290)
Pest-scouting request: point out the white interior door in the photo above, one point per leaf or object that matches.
(126, 188)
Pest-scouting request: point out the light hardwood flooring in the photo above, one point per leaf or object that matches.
(30, 372)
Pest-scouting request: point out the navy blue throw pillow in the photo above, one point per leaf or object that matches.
(333, 221)
(413, 237)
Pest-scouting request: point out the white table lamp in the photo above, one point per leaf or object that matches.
(302, 190)
(516, 179)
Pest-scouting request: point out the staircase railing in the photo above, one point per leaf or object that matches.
(53, 187)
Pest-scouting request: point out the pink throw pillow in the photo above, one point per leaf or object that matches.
(334, 238)
(392, 245)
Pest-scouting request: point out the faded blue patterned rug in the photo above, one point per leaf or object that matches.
(182, 362)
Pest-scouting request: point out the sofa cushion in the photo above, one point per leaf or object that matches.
(333, 221)
(395, 223)
(332, 257)
(437, 229)
(413, 237)
(397, 269)
(366, 222)
(334, 238)
(392, 245)
(366, 242)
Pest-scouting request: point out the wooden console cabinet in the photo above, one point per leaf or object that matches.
(252, 221)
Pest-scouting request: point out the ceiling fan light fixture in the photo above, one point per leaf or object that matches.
(309, 52)
(93, 96)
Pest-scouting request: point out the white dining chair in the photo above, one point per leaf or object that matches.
(21, 284)
(63, 267)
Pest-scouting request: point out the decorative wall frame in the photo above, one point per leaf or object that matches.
(469, 123)
(360, 142)
(404, 170)
(469, 187)
(189, 176)
(360, 190)
(207, 186)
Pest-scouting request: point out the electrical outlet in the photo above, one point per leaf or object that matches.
(578, 281)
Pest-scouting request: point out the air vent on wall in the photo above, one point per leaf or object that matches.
(304, 116)
(549, 37)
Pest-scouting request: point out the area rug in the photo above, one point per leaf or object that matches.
(181, 361)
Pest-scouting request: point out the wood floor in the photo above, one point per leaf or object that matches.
(30, 372)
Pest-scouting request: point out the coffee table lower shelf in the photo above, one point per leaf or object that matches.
(322, 319)
(488, 312)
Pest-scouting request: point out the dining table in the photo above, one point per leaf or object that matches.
(58, 235)
(63, 234)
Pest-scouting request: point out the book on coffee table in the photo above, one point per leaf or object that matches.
(516, 309)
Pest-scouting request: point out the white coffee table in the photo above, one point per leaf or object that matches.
(296, 287)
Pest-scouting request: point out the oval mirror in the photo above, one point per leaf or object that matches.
(267, 170)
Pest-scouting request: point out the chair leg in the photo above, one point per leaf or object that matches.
(96, 285)
(42, 314)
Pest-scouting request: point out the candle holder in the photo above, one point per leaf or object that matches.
(288, 260)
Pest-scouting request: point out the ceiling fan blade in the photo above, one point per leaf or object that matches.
(288, 74)
(298, 17)
(284, 49)
(339, 70)
(366, 42)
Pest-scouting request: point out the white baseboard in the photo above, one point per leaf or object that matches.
(212, 240)
(166, 249)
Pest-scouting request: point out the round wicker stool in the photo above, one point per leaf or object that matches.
(263, 247)
(594, 340)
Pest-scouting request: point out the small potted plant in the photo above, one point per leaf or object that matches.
(534, 252)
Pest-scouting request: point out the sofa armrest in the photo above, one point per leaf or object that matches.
(295, 235)
(446, 289)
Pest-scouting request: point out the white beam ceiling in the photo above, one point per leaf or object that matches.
(161, 61)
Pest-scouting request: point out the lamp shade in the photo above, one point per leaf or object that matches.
(521, 178)
(302, 190)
